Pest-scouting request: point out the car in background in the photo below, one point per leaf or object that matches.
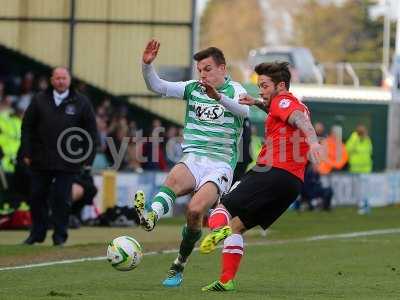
(303, 66)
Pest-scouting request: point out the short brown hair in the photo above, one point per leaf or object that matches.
(214, 52)
(277, 71)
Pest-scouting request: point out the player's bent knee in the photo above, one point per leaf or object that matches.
(237, 226)
(171, 181)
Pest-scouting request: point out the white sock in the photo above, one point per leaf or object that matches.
(179, 261)
(158, 209)
(234, 244)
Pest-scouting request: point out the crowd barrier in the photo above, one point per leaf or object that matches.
(380, 189)
(117, 188)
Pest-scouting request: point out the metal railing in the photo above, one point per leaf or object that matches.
(356, 74)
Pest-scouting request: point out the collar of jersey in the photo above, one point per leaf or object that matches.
(225, 84)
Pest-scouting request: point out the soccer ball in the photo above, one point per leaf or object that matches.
(124, 253)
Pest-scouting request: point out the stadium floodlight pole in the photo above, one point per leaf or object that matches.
(393, 124)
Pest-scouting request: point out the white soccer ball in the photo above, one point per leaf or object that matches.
(124, 253)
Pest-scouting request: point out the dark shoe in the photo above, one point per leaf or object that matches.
(32, 240)
(59, 243)
(73, 222)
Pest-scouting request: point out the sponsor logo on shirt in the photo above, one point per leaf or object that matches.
(284, 103)
(209, 112)
(70, 109)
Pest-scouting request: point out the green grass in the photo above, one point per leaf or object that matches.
(357, 268)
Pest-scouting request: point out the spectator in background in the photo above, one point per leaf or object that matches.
(135, 148)
(83, 192)
(133, 129)
(335, 157)
(313, 189)
(320, 130)
(134, 153)
(102, 114)
(153, 148)
(48, 116)
(102, 129)
(101, 162)
(10, 133)
(26, 90)
(359, 148)
(82, 88)
(173, 147)
(107, 106)
(42, 84)
(156, 124)
(121, 131)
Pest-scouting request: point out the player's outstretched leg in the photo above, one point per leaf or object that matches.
(231, 256)
(175, 273)
(160, 205)
(148, 222)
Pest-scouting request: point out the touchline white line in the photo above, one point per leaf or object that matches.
(308, 239)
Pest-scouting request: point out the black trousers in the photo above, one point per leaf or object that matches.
(59, 202)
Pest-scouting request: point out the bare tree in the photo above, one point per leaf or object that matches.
(235, 26)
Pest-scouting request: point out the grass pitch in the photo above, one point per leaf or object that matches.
(285, 264)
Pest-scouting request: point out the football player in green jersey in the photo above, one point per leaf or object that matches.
(212, 131)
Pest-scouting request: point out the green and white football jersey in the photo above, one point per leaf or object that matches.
(210, 129)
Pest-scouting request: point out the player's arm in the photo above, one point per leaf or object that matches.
(159, 86)
(230, 104)
(300, 120)
(153, 82)
(250, 101)
(234, 106)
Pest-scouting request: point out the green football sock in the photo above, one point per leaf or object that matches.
(189, 239)
(163, 201)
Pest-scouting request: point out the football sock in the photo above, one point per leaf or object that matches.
(189, 239)
(163, 201)
(218, 218)
(231, 256)
(179, 261)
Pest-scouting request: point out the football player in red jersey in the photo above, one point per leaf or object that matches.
(267, 190)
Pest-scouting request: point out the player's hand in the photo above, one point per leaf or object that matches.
(315, 168)
(150, 52)
(247, 100)
(27, 161)
(210, 90)
(315, 153)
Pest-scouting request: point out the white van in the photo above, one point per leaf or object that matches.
(303, 66)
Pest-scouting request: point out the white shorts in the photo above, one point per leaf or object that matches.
(205, 169)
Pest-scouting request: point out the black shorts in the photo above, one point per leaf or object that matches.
(262, 197)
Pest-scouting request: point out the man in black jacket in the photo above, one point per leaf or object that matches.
(58, 139)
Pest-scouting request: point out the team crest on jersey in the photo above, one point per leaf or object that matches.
(70, 109)
(284, 103)
(209, 112)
